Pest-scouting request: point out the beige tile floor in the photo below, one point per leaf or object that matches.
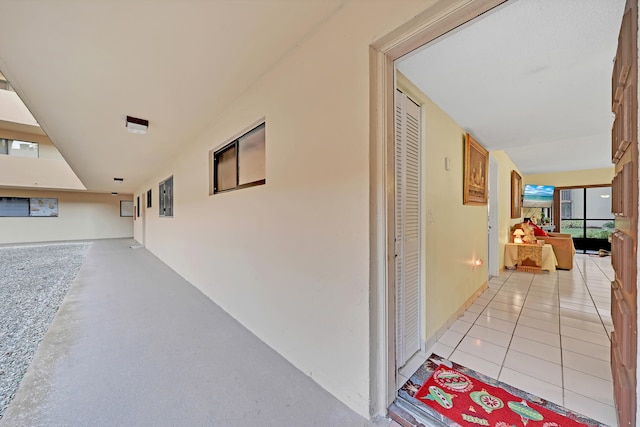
(546, 333)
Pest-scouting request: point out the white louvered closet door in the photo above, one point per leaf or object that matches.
(407, 227)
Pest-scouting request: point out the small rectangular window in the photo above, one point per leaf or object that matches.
(18, 148)
(241, 163)
(14, 206)
(23, 148)
(165, 191)
(149, 198)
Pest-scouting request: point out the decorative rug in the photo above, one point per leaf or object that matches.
(457, 396)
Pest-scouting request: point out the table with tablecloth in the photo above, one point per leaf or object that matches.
(540, 255)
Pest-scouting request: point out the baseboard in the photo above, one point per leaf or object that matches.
(435, 337)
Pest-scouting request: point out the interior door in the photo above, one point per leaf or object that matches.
(407, 227)
(624, 204)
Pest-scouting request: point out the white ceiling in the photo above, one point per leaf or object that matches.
(532, 78)
(82, 66)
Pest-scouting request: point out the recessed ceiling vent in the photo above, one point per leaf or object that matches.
(136, 125)
(118, 179)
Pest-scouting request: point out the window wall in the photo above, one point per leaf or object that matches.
(585, 213)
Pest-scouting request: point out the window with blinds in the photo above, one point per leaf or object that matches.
(14, 206)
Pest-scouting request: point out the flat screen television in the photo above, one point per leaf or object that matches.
(537, 196)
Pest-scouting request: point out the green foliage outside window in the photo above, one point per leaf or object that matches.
(575, 228)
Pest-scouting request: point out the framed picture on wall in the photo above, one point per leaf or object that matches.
(516, 195)
(476, 162)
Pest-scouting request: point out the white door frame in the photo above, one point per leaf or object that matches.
(436, 20)
(492, 264)
(144, 219)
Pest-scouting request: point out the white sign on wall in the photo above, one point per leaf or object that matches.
(126, 208)
(43, 207)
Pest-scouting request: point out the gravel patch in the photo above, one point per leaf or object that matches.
(33, 282)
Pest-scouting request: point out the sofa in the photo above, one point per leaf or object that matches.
(562, 243)
(562, 247)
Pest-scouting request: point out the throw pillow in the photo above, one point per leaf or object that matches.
(537, 231)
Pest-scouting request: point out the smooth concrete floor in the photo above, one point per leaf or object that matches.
(134, 344)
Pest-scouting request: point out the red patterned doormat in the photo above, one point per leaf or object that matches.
(457, 396)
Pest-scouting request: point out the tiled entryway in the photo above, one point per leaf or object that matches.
(546, 333)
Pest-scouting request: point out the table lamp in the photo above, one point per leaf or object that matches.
(518, 235)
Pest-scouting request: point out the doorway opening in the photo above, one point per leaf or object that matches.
(435, 22)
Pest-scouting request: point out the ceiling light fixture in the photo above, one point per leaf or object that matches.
(136, 125)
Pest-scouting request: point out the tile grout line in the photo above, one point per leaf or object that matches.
(478, 316)
(515, 326)
(564, 397)
(564, 284)
(564, 389)
(591, 296)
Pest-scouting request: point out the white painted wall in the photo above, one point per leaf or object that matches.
(290, 259)
(505, 222)
(48, 171)
(572, 178)
(13, 110)
(456, 234)
(81, 216)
